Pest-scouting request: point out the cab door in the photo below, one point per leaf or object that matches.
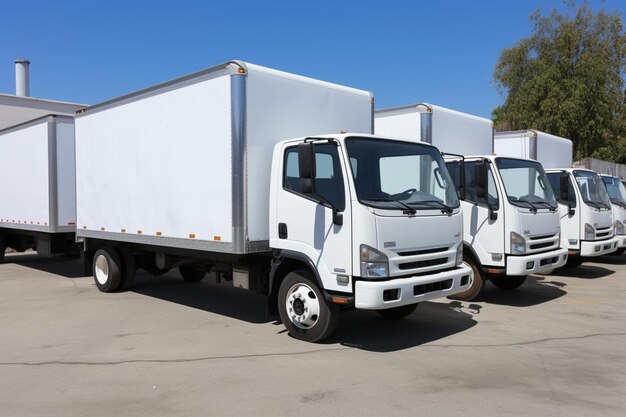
(317, 225)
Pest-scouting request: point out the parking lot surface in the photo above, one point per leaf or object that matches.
(554, 347)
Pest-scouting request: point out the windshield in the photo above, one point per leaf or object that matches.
(592, 189)
(616, 190)
(525, 183)
(398, 175)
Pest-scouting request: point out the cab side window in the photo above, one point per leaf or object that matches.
(471, 195)
(328, 178)
(555, 182)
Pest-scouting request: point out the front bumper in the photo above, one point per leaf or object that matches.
(598, 247)
(369, 295)
(538, 262)
(621, 241)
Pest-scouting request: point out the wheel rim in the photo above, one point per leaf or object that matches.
(303, 306)
(102, 269)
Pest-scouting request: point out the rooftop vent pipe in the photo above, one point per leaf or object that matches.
(22, 82)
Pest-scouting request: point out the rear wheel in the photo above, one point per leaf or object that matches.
(477, 282)
(303, 309)
(573, 261)
(191, 274)
(107, 269)
(619, 251)
(397, 312)
(3, 249)
(508, 283)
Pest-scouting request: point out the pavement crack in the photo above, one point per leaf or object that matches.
(180, 360)
(531, 342)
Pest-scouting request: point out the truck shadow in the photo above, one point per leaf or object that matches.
(536, 290)
(206, 295)
(432, 321)
(68, 268)
(585, 271)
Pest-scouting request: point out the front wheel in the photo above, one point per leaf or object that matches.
(477, 282)
(303, 309)
(191, 274)
(397, 312)
(574, 261)
(508, 283)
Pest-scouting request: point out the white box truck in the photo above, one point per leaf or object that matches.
(510, 218)
(584, 205)
(617, 194)
(200, 174)
(37, 191)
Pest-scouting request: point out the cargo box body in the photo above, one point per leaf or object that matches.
(37, 191)
(186, 164)
(551, 151)
(449, 130)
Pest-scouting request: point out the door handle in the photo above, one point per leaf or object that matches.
(282, 231)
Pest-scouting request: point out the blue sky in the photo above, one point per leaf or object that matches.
(442, 52)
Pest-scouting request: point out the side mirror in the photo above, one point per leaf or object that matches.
(306, 167)
(564, 187)
(480, 178)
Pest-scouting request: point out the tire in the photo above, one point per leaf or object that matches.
(107, 269)
(191, 274)
(3, 249)
(303, 309)
(508, 283)
(619, 251)
(573, 261)
(397, 312)
(129, 268)
(477, 284)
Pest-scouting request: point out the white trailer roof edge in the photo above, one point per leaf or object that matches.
(32, 122)
(26, 100)
(428, 108)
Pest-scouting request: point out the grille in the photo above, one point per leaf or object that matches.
(432, 287)
(542, 245)
(541, 237)
(422, 252)
(603, 234)
(423, 264)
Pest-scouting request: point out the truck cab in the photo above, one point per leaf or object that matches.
(586, 216)
(511, 220)
(377, 220)
(617, 194)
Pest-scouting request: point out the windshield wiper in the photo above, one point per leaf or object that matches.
(407, 209)
(444, 207)
(545, 203)
(530, 205)
(618, 202)
(593, 204)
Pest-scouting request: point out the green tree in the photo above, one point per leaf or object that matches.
(567, 79)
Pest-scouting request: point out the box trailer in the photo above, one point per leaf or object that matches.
(37, 191)
(202, 174)
(510, 218)
(584, 205)
(550, 150)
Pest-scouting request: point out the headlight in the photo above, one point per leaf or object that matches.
(459, 255)
(518, 244)
(374, 264)
(590, 233)
(619, 227)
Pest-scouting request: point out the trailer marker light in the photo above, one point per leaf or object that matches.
(85, 227)
(218, 238)
(192, 235)
(71, 223)
(158, 233)
(123, 230)
(242, 71)
(139, 232)
(102, 228)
